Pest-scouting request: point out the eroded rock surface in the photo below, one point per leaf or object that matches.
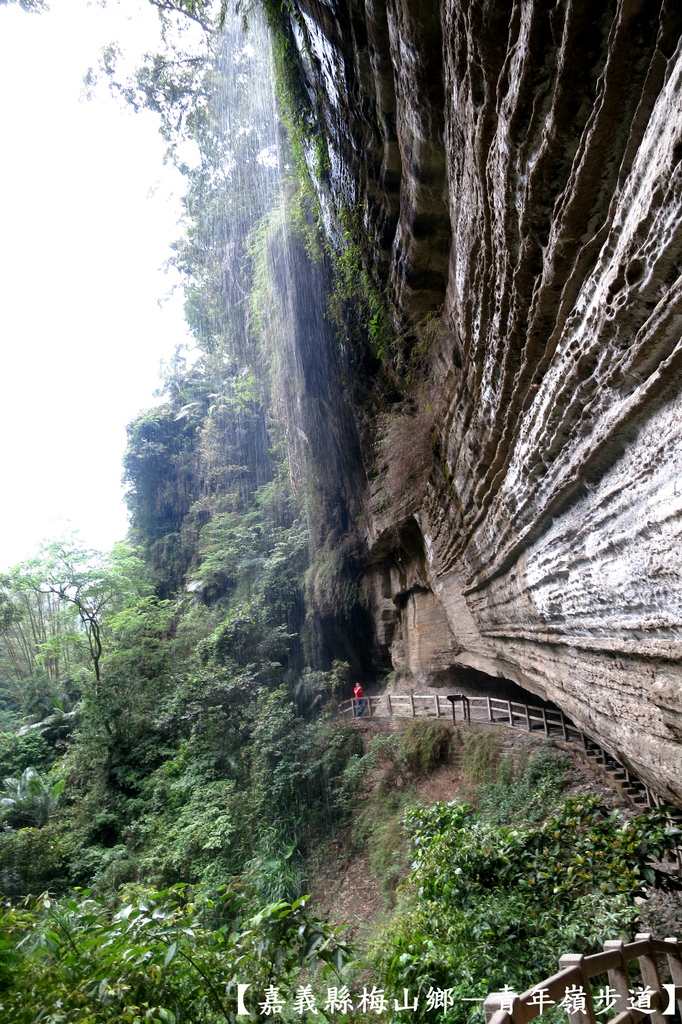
(520, 164)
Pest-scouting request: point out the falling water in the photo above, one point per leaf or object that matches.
(242, 209)
(273, 296)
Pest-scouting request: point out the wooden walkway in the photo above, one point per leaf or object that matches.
(550, 721)
(571, 988)
(629, 1003)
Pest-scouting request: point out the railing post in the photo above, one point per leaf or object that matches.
(494, 1002)
(388, 701)
(619, 977)
(509, 712)
(490, 709)
(675, 965)
(544, 721)
(437, 706)
(650, 976)
(563, 725)
(586, 1016)
(527, 718)
(412, 704)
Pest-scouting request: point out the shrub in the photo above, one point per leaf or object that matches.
(156, 958)
(529, 795)
(17, 753)
(480, 757)
(32, 859)
(487, 905)
(424, 745)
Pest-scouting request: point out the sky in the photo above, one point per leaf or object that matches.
(88, 211)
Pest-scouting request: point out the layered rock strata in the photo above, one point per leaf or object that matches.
(519, 164)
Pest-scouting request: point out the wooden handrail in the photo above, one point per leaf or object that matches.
(570, 986)
(549, 720)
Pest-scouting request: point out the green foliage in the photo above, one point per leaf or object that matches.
(399, 761)
(293, 101)
(227, 780)
(157, 958)
(358, 302)
(528, 795)
(418, 750)
(28, 800)
(198, 832)
(158, 471)
(20, 752)
(424, 745)
(296, 770)
(487, 905)
(334, 580)
(381, 829)
(201, 455)
(480, 756)
(83, 580)
(209, 14)
(33, 858)
(358, 305)
(42, 648)
(135, 669)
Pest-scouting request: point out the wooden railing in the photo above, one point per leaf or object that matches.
(570, 988)
(550, 721)
(484, 709)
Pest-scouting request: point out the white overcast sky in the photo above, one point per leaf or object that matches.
(88, 212)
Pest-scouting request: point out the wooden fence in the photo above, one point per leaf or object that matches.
(550, 721)
(570, 988)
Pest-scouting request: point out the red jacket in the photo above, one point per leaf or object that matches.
(358, 692)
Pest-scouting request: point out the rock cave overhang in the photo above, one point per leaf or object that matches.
(532, 157)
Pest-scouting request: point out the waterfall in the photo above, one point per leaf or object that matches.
(266, 311)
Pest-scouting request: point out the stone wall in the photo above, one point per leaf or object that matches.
(519, 164)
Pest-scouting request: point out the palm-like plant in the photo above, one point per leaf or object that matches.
(29, 801)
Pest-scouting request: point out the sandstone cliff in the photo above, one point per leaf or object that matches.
(518, 166)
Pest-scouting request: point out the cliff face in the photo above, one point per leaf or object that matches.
(519, 167)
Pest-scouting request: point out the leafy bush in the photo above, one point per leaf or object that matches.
(155, 959)
(487, 905)
(28, 751)
(528, 795)
(353, 778)
(32, 858)
(424, 745)
(28, 801)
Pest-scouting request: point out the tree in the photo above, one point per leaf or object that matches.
(34, 6)
(41, 644)
(29, 801)
(87, 580)
(207, 13)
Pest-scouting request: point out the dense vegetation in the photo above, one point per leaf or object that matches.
(172, 771)
(487, 905)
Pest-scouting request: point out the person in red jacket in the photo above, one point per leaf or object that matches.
(360, 702)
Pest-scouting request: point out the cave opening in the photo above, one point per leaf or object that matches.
(472, 682)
